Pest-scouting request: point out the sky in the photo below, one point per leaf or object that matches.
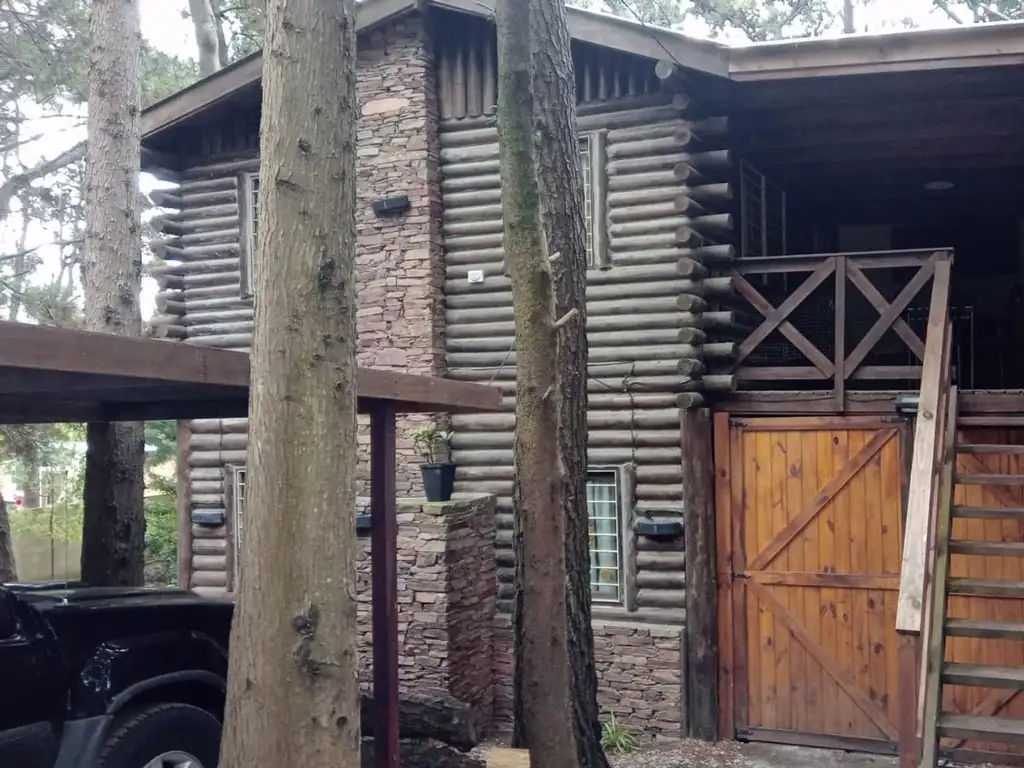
(165, 26)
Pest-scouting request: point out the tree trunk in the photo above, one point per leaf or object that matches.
(205, 24)
(849, 22)
(560, 174)
(29, 460)
(541, 686)
(8, 567)
(113, 529)
(293, 697)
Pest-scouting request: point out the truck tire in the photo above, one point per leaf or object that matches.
(174, 732)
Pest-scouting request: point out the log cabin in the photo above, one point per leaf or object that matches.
(806, 262)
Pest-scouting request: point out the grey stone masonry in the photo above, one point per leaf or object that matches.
(447, 595)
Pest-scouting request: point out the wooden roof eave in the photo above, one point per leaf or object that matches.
(975, 45)
(55, 375)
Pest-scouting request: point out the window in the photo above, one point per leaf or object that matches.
(248, 207)
(236, 511)
(592, 155)
(588, 197)
(604, 509)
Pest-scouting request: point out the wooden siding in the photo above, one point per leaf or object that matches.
(810, 523)
(639, 309)
(997, 652)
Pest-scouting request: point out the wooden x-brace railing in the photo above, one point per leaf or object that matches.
(846, 268)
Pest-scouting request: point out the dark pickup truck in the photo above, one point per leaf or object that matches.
(110, 678)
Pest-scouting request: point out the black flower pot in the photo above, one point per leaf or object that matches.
(438, 481)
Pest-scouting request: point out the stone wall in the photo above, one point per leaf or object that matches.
(447, 593)
(400, 266)
(639, 674)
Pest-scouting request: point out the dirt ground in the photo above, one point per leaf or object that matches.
(726, 754)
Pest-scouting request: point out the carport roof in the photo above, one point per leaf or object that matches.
(54, 375)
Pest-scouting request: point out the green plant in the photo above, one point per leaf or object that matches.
(617, 737)
(432, 443)
(161, 540)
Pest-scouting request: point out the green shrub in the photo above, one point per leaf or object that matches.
(161, 540)
(616, 737)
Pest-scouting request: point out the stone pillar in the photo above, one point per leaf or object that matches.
(447, 596)
(400, 262)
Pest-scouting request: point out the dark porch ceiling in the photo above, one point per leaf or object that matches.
(874, 141)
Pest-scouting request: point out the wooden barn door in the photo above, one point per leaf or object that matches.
(809, 533)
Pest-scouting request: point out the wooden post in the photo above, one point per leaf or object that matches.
(839, 388)
(384, 579)
(701, 589)
(908, 666)
(184, 510)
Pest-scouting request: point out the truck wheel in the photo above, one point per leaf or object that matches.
(164, 736)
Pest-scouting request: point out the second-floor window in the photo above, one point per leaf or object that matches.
(248, 223)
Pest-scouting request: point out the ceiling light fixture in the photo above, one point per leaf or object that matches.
(940, 185)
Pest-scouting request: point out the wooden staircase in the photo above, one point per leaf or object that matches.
(938, 725)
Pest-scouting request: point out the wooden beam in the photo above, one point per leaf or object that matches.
(384, 580)
(698, 480)
(184, 509)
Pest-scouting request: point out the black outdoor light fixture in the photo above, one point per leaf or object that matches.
(906, 405)
(390, 206)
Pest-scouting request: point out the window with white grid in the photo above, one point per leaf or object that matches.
(604, 509)
(588, 197)
(237, 501)
(248, 207)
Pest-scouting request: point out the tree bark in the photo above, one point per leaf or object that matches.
(560, 175)
(8, 566)
(205, 24)
(541, 685)
(113, 529)
(293, 697)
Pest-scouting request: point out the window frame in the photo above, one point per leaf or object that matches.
(248, 208)
(234, 491)
(593, 154)
(624, 514)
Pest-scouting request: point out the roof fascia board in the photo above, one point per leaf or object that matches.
(981, 45)
(247, 72)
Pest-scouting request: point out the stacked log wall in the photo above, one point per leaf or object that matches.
(399, 267)
(662, 194)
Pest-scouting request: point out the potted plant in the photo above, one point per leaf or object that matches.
(438, 471)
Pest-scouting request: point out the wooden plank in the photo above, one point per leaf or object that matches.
(972, 448)
(744, 530)
(812, 603)
(987, 479)
(907, 650)
(790, 596)
(775, 317)
(1002, 729)
(840, 675)
(724, 563)
(765, 697)
(780, 373)
(819, 580)
(184, 509)
(1000, 493)
(814, 423)
(1000, 420)
(797, 524)
(831, 717)
(384, 580)
(1000, 513)
(926, 435)
(878, 301)
(985, 628)
(889, 315)
(985, 675)
(986, 588)
(839, 355)
(988, 548)
(701, 597)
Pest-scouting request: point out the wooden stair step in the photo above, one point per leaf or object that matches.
(989, 479)
(985, 587)
(996, 513)
(989, 548)
(983, 675)
(977, 727)
(985, 628)
(980, 448)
